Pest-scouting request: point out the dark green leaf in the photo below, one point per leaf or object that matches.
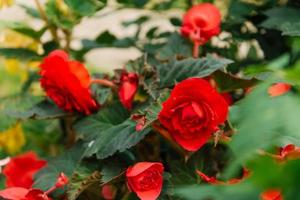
(19, 53)
(65, 163)
(284, 19)
(90, 127)
(42, 110)
(82, 178)
(176, 71)
(115, 139)
(133, 3)
(175, 21)
(176, 46)
(152, 111)
(23, 29)
(227, 82)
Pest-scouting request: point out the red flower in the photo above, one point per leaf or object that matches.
(279, 89)
(145, 179)
(62, 180)
(227, 97)
(20, 193)
(14, 193)
(20, 170)
(201, 22)
(288, 152)
(128, 86)
(67, 83)
(272, 194)
(108, 192)
(193, 112)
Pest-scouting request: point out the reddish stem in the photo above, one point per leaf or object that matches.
(104, 82)
(196, 49)
(50, 190)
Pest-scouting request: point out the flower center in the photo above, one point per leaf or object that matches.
(149, 180)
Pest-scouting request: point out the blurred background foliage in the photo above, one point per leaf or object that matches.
(260, 36)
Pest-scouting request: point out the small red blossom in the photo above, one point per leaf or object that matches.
(128, 88)
(67, 83)
(108, 192)
(145, 179)
(201, 22)
(62, 180)
(21, 193)
(192, 113)
(271, 194)
(215, 181)
(140, 121)
(288, 152)
(279, 89)
(20, 170)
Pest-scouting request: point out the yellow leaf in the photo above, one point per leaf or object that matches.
(12, 139)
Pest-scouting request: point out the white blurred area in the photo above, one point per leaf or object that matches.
(106, 58)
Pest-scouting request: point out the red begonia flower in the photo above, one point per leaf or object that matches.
(279, 89)
(201, 22)
(67, 83)
(192, 113)
(145, 179)
(271, 194)
(20, 170)
(128, 87)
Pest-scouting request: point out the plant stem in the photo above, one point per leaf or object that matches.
(44, 17)
(196, 49)
(104, 82)
(68, 37)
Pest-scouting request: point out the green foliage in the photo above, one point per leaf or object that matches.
(23, 29)
(19, 53)
(87, 7)
(65, 163)
(115, 139)
(265, 121)
(42, 110)
(176, 71)
(284, 19)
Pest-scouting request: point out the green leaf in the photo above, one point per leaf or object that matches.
(65, 163)
(12, 103)
(151, 112)
(134, 3)
(19, 53)
(115, 139)
(23, 29)
(176, 47)
(265, 121)
(86, 7)
(90, 127)
(176, 71)
(227, 82)
(284, 19)
(42, 110)
(58, 18)
(31, 11)
(82, 178)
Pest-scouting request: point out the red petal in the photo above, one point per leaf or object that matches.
(143, 166)
(279, 89)
(14, 193)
